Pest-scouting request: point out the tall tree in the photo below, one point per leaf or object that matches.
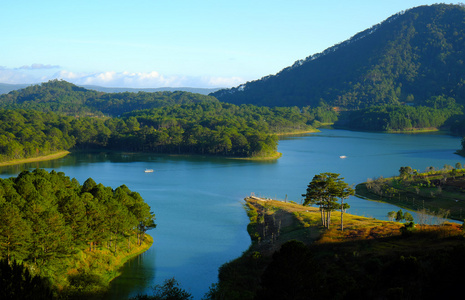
(323, 190)
(15, 233)
(343, 191)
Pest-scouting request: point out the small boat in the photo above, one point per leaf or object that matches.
(342, 156)
(148, 170)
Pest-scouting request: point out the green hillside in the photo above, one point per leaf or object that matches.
(409, 58)
(66, 98)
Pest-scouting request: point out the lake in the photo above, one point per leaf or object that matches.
(198, 201)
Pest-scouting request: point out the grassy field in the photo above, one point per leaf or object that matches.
(363, 241)
(277, 222)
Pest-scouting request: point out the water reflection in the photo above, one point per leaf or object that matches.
(138, 275)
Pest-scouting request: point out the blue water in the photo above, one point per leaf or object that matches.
(198, 200)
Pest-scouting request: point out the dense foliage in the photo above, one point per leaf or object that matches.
(217, 128)
(32, 133)
(174, 123)
(47, 221)
(403, 117)
(410, 57)
(25, 134)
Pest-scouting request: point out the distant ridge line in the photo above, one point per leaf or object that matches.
(6, 88)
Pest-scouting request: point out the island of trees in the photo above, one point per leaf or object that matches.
(59, 238)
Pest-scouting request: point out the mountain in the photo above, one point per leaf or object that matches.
(203, 91)
(408, 58)
(6, 88)
(67, 98)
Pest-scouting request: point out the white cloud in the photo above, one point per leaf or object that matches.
(37, 73)
(68, 74)
(146, 80)
(119, 79)
(15, 77)
(225, 81)
(39, 67)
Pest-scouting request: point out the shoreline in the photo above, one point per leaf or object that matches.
(414, 193)
(297, 132)
(414, 130)
(277, 155)
(392, 131)
(116, 269)
(53, 156)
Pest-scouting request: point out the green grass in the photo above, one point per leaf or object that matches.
(434, 191)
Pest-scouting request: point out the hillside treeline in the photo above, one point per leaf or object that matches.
(402, 117)
(184, 123)
(49, 221)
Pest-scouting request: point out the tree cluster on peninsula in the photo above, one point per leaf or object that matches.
(59, 228)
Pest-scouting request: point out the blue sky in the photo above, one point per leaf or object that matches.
(176, 43)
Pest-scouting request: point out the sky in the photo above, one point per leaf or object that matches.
(174, 43)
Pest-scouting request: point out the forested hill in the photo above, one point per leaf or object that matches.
(203, 91)
(58, 115)
(66, 98)
(410, 57)
(6, 88)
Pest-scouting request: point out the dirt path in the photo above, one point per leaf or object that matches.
(278, 224)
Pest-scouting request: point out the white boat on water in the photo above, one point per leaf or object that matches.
(342, 156)
(148, 170)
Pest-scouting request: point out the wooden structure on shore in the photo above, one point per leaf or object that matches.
(255, 198)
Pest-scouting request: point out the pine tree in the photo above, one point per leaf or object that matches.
(15, 233)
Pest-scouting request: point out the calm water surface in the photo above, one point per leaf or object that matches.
(198, 200)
